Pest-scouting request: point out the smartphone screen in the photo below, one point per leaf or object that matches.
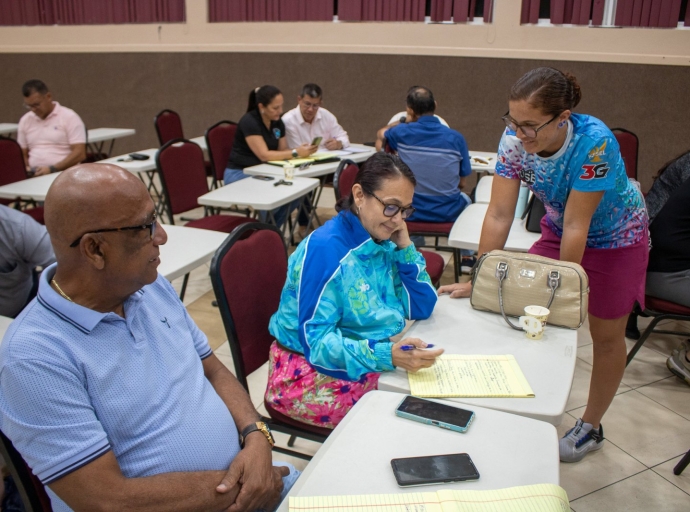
(455, 467)
(435, 412)
(316, 141)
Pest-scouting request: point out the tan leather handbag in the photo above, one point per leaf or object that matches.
(505, 282)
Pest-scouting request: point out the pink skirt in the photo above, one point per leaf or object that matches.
(298, 391)
(616, 276)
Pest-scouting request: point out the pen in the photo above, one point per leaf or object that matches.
(407, 348)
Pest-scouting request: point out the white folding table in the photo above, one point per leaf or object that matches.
(144, 168)
(508, 450)
(477, 159)
(548, 364)
(468, 229)
(8, 128)
(29, 189)
(4, 324)
(187, 249)
(97, 137)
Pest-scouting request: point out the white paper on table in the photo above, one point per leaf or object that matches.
(335, 152)
(354, 149)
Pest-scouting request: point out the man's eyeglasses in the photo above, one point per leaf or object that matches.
(529, 131)
(32, 106)
(308, 106)
(391, 210)
(151, 227)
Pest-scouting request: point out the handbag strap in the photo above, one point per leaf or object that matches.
(553, 280)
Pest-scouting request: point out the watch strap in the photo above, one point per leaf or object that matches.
(258, 426)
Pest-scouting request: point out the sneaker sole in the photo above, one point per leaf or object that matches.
(678, 372)
(595, 447)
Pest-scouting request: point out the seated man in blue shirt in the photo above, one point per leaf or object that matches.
(436, 154)
(108, 389)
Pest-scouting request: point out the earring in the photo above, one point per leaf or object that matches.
(358, 210)
(561, 124)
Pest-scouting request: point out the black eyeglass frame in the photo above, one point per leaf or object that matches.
(509, 122)
(150, 226)
(405, 213)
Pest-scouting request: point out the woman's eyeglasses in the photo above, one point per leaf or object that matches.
(391, 210)
(529, 131)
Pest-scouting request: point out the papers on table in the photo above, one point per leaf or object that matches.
(527, 498)
(355, 149)
(471, 376)
(315, 158)
(482, 160)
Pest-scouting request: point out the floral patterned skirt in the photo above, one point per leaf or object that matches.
(298, 391)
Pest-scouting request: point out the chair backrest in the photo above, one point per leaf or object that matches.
(248, 272)
(12, 167)
(219, 140)
(344, 178)
(182, 171)
(168, 126)
(31, 490)
(629, 144)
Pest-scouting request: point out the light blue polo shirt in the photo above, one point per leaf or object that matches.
(75, 383)
(438, 157)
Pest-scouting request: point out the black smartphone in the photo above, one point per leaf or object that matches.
(435, 469)
(139, 156)
(264, 178)
(316, 141)
(433, 413)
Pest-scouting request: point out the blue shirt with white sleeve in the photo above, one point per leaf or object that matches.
(76, 383)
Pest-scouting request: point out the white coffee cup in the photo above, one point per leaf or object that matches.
(532, 327)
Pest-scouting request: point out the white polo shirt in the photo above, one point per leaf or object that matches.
(324, 125)
(49, 139)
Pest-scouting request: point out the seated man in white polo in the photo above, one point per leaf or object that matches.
(309, 120)
(436, 154)
(52, 137)
(108, 389)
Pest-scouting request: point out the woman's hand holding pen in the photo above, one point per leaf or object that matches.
(413, 354)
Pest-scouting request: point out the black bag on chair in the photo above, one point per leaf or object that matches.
(535, 212)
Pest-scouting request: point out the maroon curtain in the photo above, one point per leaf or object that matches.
(460, 10)
(648, 13)
(530, 11)
(90, 12)
(575, 12)
(381, 10)
(270, 10)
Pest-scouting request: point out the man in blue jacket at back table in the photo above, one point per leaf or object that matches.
(436, 154)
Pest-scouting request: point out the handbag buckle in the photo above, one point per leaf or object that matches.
(501, 270)
(554, 279)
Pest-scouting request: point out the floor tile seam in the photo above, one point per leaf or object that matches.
(628, 454)
(662, 405)
(586, 362)
(668, 460)
(612, 484)
(643, 385)
(670, 482)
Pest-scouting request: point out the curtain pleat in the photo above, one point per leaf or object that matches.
(648, 13)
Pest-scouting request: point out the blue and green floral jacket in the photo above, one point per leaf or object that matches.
(346, 294)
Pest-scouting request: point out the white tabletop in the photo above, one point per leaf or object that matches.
(468, 229)
(314, 170)
(548, 364)
(102, 134)
(481, 167)
(186, 249)
(134, 166)
(482, 194)
(508, 450)
(8, 128)
(258, 194)
(31, 188)
(201, 141)
(4, 324)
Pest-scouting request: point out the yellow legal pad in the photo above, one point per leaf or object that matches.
(527, 498)
(299, 161)
(471, 376)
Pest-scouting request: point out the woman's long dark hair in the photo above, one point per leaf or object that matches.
(378, 168)
(263, 95)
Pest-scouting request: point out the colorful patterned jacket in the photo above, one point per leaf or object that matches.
(346, 294)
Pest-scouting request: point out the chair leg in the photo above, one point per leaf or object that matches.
(456, 264)
(291, 441)
(643, 338)
(184, 286)
(682, 464)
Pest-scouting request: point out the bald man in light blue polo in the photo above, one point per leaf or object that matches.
(108, 389)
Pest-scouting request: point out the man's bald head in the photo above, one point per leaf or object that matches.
(89, 197)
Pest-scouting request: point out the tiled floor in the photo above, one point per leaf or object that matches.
(647, 426)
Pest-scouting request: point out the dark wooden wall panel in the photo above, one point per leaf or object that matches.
(364, 91)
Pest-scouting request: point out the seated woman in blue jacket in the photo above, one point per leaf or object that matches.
(350, 286)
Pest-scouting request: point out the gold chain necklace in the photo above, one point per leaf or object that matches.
(57, 287)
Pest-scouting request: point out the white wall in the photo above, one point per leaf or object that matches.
(504, 38)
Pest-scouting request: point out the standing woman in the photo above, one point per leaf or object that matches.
(594, 216)
(260, 137)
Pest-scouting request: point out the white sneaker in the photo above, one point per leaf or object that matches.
(678, 362)
(579, 441)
